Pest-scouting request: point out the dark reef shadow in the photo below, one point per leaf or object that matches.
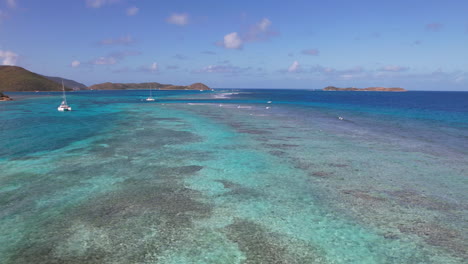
(260, 245)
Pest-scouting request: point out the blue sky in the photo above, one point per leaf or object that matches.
(418, 45)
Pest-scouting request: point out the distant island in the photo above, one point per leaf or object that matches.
(373, 89)
(18, 79)
(4, 97)
(147, 85)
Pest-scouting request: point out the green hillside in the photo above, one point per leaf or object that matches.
(68, 83)
(13, 78)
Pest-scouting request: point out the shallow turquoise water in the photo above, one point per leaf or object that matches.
(218, 178)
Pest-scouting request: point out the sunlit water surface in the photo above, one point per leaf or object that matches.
(234, 176)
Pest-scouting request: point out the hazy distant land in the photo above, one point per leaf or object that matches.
(147, 85)
(374, 89)
(14, 78)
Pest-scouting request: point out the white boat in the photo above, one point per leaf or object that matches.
(64, 106)
(150, 98)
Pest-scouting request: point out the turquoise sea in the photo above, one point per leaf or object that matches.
(234, 176)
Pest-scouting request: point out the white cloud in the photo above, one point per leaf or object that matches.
(11, 3)
(8, 57)
(125, 40)
(264, 24)
(295, 67)
(75, 63)
(232, 41)
(257, 32)
(178, 19)
(131, 11)
(154, 66)
(99, 3)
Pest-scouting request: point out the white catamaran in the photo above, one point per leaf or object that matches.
(150, 98)
(64, 106)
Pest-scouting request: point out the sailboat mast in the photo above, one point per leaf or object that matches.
(63, 90)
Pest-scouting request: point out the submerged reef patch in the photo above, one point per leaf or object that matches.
(260, 245)
(118, 227)
(414, 199)
(321, 174)
(437, 235)
(239, 191)
(363, 195)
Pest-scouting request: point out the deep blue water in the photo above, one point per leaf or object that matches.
(451, 107)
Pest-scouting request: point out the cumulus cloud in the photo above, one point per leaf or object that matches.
(99, 3)
(394, 68)
(113, 58)
(257, 32)
(264, 24)
(295, 67)
(125, 40)
(131, 11)
(312, 52)
(75, 63)
(232, 41)
(8, 57)
(154, 66)
(178, 19)
(434, 27)
(12, 3)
